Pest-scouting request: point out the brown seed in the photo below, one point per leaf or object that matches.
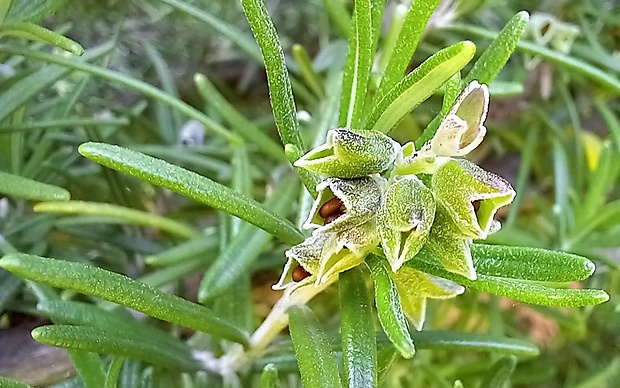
(331, 218)
(299, 274)
(476, 205)
(331, 207)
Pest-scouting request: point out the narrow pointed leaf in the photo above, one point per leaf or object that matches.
(500, 372)
(317, 362)
(229, 31)
(417, 17)
(115, 342)
(120, 289)
(35, 32)
(68, 64)
(248, 130)
(357, 66)
(359, 344)
(493, 59)
(33, 10)
(26, 88)
(521, 290)
(269, 377)
(419, 85)
(111, 379)
(280, 92)
(451, 341)
(10, 286)
(247, 245)
(527, 263)
(123, 214)
(192, 185)
(389, 308)
(20, 187)
(199, 246)
(83, 314)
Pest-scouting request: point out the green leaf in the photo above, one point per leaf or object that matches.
(527, 263)
(410, 33)
(317, 362)
(35, 32)
(500, 372)
(20, 187)
(28, 87)
(5, 382)
(88, 365)
(68, 64)
(520, 290)
(339, 16)
(493, 59)
(119, 289)
(115, 342)
(114, 371)
(239, 255)
(280, 92)
(248, 130)
(5, 7)
(358, 333)
(310, 77)
(418, 85)
(120, 213)
(83, 314)
(191, 185)
(33, 10)
(10, 286)
(269, 377)
(357, 67)
(64, 123)
(449, 341)
(199, 246)
(227, 30)
(389, 308)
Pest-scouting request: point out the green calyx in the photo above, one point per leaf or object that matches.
(351, 154)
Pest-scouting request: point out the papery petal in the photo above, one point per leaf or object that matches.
(462, 129)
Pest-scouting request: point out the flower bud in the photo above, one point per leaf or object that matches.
(462, 130)
(471, 196)
(345, 203)
(405, 219)
(415, 287)
(351, 154)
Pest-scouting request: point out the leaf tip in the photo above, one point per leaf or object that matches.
(9, 261)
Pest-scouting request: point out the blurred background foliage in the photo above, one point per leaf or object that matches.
(554, 132)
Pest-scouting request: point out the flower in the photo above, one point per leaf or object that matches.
(405, 219)
(462, 130)
(351, 154)
(345, 203)
(471, 196)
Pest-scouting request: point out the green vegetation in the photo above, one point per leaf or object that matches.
(153, 186)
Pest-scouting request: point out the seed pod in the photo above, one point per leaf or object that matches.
(345, 203)
(351, 154)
